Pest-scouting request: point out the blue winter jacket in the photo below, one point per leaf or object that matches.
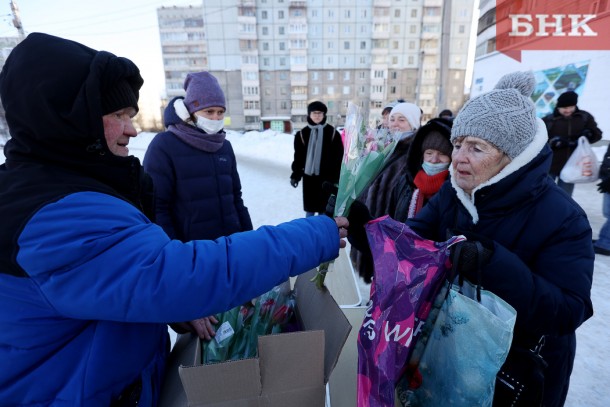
(87, 281)
(543, 256)
(197, 193)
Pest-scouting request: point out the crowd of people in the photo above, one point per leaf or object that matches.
(100, 253)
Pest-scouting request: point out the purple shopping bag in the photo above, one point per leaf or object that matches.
(409, 271)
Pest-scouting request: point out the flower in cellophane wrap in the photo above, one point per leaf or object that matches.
(365, 151)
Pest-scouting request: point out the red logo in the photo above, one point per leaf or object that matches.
(523, 25)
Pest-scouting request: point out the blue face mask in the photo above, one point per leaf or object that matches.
(433, 169)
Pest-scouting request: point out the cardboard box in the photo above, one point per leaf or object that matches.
(291, 369)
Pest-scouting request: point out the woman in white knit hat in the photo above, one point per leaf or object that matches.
(537, 253)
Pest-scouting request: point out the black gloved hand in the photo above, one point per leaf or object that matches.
(294, 182)
(359, 216)
(332, 189)
(604, 186)
(468, 256)
(557, 142)
(586, 133)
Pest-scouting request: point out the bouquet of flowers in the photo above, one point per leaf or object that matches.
(366, 150)
(238, 329)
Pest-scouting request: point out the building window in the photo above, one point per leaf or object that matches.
(330, 45)
(395, 44)
(265, 61)
(393, 90)
(394, 75)
(346, 90)
(283, 104)
(315, 76)
(396, 29)
(282, 46)
(397, 13)
(412, 29)
(264, 14)
(410, 60)
(315, 90)
(330, 90)
(330, 75)
(265, 30)
(282, 61)
(265, 46)
(414, 13)
(395, 60)
(378, 74)
(461, 28)
(346, 75)
(362, 44)
(347, 13)
(346, 45)
(280, 14)
(281, 30)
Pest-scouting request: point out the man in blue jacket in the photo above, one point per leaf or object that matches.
(87, 280)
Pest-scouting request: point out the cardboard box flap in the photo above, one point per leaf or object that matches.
(318, 310)
(218, 382)
(291, 361)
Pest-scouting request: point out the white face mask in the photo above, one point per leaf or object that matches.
(433, 169)
(210, 126)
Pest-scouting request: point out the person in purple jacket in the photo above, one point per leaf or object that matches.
(87, 280)
(194, 172)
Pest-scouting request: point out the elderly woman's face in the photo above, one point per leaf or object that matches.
(475, 161)
(399, 122)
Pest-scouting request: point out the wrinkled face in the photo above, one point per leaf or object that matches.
(475, 161)
(118, 128)
(566, 111)
(436, 157)
(212, 113)
(399, 122)
(316, 116)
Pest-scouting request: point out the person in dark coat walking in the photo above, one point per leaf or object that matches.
(602, 244)
(537, 253)
(565, 126)
(194, 171)
(318, 151)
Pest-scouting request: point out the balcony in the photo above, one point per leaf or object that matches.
(297, 4)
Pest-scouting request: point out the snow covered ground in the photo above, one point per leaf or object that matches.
(264, 160)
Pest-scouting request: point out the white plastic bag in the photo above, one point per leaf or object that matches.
(582, 165)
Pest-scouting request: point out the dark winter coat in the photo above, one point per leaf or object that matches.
(315, 197)
(542, 262)
(87, 280)
(400, 197)
(377, 198)
(197, 193)
(570, 129)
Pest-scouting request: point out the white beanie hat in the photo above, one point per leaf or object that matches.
(410, 111)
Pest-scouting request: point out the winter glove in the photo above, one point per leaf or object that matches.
(470, 255)
(359, 216)
(331, 189)
(604, 186)
(294, 182)
(587, 133)
(557, 142)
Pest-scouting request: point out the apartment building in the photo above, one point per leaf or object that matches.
(273, 57)
(556, 71)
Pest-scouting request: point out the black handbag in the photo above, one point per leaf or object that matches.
(520, 381)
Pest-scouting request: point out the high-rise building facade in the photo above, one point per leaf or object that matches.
(273, 57)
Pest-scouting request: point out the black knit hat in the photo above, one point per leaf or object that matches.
(436, 141)
(568, 98)
(118, 97)
(316, 106)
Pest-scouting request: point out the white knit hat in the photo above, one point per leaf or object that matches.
(410, 111)
(504, 117)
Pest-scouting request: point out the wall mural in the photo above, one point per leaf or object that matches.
(552, 82)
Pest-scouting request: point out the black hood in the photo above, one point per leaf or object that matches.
(415, 154)
(51, 92)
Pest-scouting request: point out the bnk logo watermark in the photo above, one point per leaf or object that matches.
(551, 25)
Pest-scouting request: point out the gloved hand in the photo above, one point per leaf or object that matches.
(359, 216)
(294, 182)
(331, 189)
(604, 186)
(586, 133)
(468, 256)
(557, 142)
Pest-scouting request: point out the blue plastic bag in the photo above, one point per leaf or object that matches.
(466, 348)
